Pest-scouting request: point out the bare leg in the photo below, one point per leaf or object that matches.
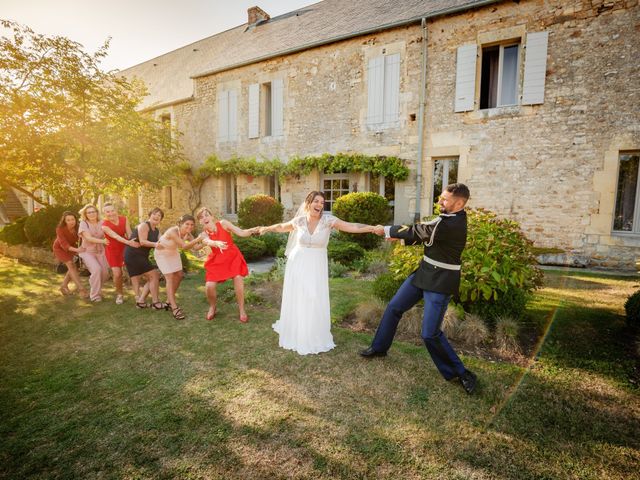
(238, 285)
(72, 273)
(212, 298)
(171, 289)
(135, 284)
(117, 279)
(154, 285)
(144, 292)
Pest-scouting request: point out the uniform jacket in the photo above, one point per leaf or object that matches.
(444, 239)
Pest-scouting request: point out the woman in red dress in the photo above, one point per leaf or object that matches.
(64, 248)
(117, 227)
(225, 261)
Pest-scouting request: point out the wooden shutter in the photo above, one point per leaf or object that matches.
(466, 77)
(254, 110)
(233, 115)
(223, 116)
(375, 94)
(391, 103)
(277, 108)
(535, 67)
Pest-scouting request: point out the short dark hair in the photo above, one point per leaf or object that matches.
(157, 210)
(459, 190)
(186, 218)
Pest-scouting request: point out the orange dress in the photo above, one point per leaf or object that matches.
(228, 263)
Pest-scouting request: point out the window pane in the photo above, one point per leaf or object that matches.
(489, 77)
(345, 184)
(448, 165)
(509, 75)
(626, 193)
(327, 184)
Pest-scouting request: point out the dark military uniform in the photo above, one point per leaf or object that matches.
(436, 280)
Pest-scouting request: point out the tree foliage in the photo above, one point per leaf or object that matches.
(71, 129)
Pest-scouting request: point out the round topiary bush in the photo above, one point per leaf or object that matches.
(362, 207)
(251, 248)
(13, 234)
(632, 309)
(499, 269)
(344, 252)
(40, 227)
(258, 210)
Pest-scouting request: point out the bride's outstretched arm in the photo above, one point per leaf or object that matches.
(353, 227)
(278, 228)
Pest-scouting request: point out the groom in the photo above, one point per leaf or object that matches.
(436, 280)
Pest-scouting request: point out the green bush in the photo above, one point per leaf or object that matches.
(252, 248)
(337, 270)
(386, 285)
(362, 207)
(499, 270)
(40, 227)
(13, 234)
(344, 252)
(632, 309)
(273, 242)
(258, 210)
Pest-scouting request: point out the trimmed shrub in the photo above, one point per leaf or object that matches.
(344, 252)
(385, 286)
(258, 210)
(362, 207)
(40, 227)
(632, 309)
(13, 234)
(251, 248)
(499, 270)
(273, 242)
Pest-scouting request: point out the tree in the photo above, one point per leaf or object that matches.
(71, 129)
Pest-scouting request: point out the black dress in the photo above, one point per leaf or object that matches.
(137, 259)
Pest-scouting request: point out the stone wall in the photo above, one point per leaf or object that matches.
(29, 254)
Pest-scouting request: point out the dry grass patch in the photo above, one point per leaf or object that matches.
(472, 331)
(507, 331)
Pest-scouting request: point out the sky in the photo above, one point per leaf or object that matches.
(139, 29)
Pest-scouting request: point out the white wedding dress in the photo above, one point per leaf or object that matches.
(305, 318)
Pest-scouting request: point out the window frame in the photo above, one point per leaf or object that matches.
(329, 200)
(445, 175)
(501, 46)
(635, 231)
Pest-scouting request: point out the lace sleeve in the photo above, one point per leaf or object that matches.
(298, 222)
(329, 219)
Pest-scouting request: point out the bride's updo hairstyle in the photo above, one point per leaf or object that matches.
(309, 199)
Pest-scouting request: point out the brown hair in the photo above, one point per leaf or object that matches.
(185, 218)
(311, 197)
(156, 210)
(459, 190)
(201, 211)
(65, 214)
(83, 211)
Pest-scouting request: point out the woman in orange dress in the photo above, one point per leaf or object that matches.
(224, 262)
(117, 228)
(64, 248)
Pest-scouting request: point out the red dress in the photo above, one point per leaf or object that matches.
(65, 238)
(115, 250)
(221, 266)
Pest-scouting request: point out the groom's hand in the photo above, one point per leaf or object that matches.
(379, 230)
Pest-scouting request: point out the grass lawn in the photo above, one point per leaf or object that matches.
(107, 391)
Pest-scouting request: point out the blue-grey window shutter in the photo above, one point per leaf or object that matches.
(254, 110)
(375, 98)
(535, 68)
(233, 115)
(223, 116)
(466, 77)
(391, 104)
(277, 108)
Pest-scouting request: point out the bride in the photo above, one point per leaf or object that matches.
(305, 319)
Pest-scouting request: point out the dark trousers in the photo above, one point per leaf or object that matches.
(435, 306)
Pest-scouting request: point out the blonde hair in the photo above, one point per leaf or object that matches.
(201, 211)
(83, 211)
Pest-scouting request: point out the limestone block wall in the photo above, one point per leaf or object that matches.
(552, 167)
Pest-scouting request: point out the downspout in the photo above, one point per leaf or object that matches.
(423, 89)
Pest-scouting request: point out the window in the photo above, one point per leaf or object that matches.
(334, 186)
(266, 109)
(167, 197)
(627, 209)
(231, 195)
(227, 116)
(383, 91)
(499, 80)
(385, 186)
(273, 187)
(445, 171)
(165, 121)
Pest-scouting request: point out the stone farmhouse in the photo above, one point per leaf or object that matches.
(533, 103)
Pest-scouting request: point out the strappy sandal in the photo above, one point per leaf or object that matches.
(142, 305)
(160, 306)
(177, 313)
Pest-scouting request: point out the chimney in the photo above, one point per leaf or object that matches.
(256, 15)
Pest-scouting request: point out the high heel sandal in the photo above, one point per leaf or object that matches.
(160, 306)
(177, 313)
(142, 305)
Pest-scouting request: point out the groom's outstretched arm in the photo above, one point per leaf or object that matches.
(413, 234)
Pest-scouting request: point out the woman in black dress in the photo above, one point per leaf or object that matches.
(139, 265)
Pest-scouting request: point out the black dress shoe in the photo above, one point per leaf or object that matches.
(468, 380)
(370, 353)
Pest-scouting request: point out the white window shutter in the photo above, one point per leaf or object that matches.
(277, 108)
(254, 110)
(233, 115)
(391, 104)
(223, 116)
(535, 68)
(375, 98)
(466, 77)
